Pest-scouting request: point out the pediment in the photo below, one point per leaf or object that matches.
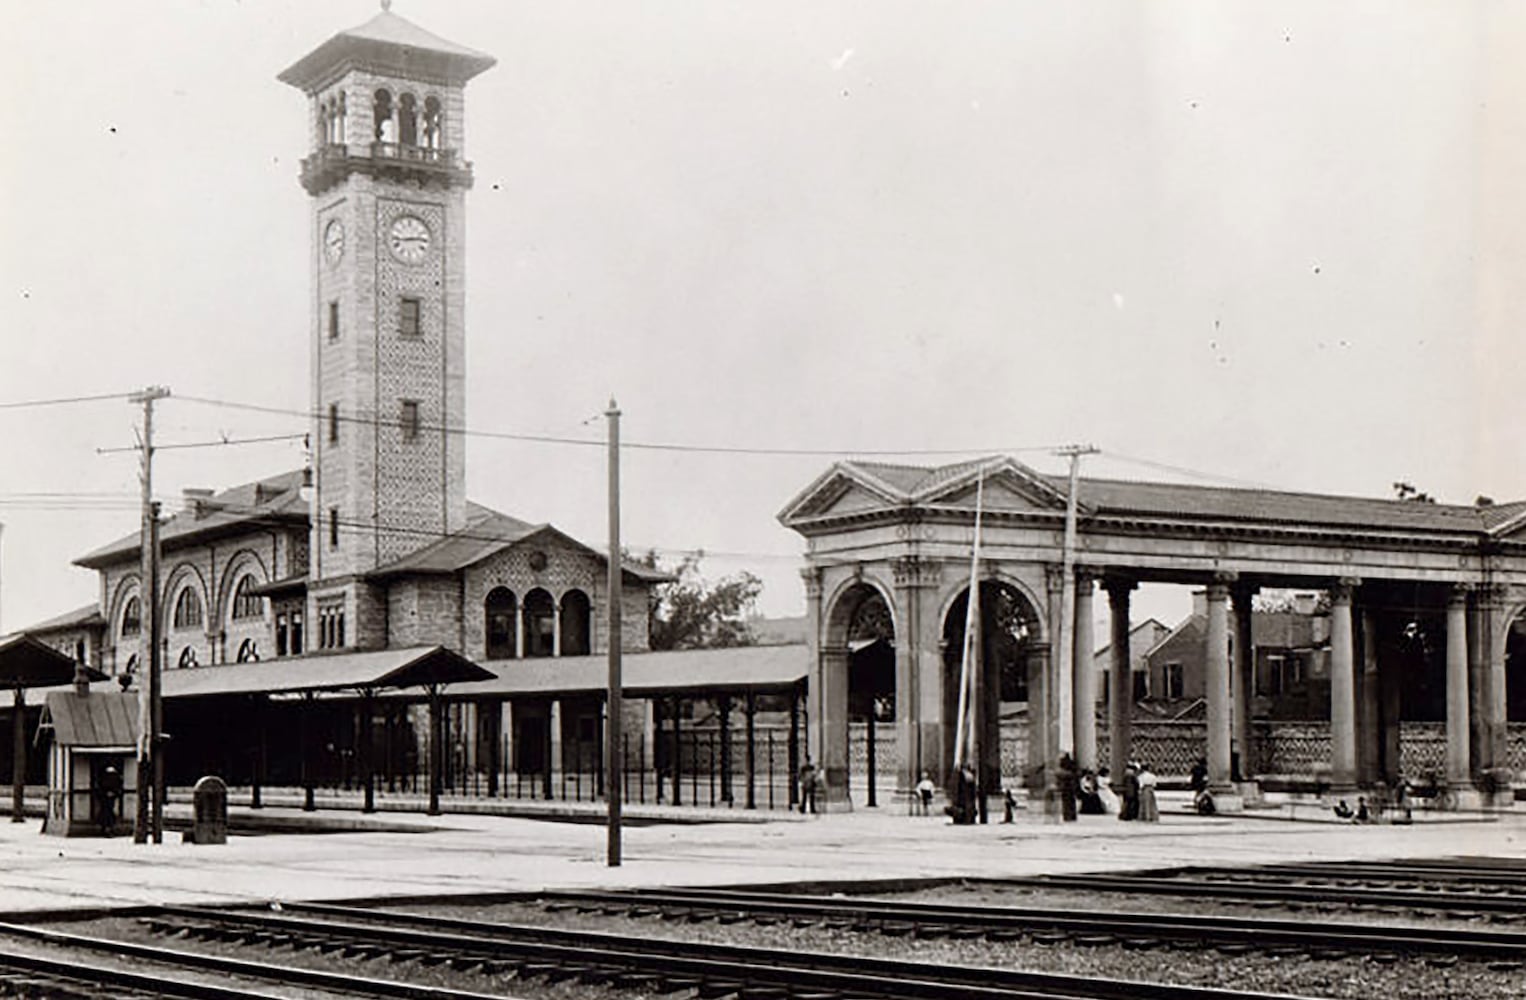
(998, 495)
(838, 494)
(1007, 485)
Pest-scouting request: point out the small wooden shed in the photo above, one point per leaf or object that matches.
(92, 763)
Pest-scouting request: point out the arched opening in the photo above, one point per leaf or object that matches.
(246, 604)
(187, 658)
(434, 123)
(871, 661)
(248, 651)
(857, 693)
(1008, 627)
(1515, 671)
(132, 619)
(576, 613)
(407, 120)
(502, 614)
(188, 610)
(381, 115)
(540, 623)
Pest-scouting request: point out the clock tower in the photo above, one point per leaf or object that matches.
(388, 182)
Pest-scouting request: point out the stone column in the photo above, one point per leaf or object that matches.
(556, 629)
(831, 726)
(1056, 697)
(554, 750)
(1493, 631)
(522, 621)
(1457, 688)
(1369, 705)
(911, 575)
(1216, 684)
(1342, 689)
(1084, 661)
(1241, 679)
(1120, 703)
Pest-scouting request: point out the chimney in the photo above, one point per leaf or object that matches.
(195, 500)
(81, 680)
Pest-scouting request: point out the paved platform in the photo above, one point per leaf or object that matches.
(475, 853)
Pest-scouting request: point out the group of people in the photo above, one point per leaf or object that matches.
(1139, 794)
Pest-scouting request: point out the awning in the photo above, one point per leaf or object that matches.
(416, 666)
(760, 669)
(26, 662)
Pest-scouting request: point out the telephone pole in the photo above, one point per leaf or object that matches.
(150, 814)
(614, 768)
(1061, 724)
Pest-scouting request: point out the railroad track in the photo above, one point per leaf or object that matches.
(1047, 925)
(1247, 885)
(653, 964)
(57, 979)
(1429, 876)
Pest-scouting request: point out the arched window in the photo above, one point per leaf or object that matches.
(407, 120)
(576, 611)
(381, 114)
(187, 658)
(246, 604)
(188, 609)
(434, 123)
(540, 623)
(132, 618)
(340, 116)
(248, 651)
(502, 614)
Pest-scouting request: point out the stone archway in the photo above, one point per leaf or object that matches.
(856, 674)
(1009, 640)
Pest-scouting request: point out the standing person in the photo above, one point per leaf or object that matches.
(807, 788)
(1149, 811)
(1068, 782)
(109, 794)
(1090, 797)
(1130, 808)
(1105, 794)
(925, 789)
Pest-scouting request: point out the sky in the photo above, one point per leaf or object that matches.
(1234, 243)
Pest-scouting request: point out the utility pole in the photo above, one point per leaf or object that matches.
(150, 709)
(1061, 719)
(614, 741)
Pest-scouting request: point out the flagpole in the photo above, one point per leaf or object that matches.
(964, 732)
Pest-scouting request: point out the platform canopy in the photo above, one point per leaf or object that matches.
(415, 666)
(698, 672)
(26, 662)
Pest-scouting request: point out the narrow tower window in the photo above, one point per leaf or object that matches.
(333, 422)
(381, 113)
(408, 418)
(333, 527)
(434, 123)
(408, 319)
(333, 320)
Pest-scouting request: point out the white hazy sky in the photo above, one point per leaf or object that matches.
(1279, 243)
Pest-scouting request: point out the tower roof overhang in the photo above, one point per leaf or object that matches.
(389, 44)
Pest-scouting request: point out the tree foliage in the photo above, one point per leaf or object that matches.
(692, 613)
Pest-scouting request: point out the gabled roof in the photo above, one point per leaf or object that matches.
(276, 500)
(488, 532)
(940, 487)
(97, 720)
(391, 44)
(910, 485)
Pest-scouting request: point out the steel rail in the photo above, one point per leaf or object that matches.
(722, 969)
(1442, 877)
(1250, 891)
(1260, 932)
(133, 984)
(286, 975)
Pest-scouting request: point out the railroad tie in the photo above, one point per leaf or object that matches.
(712, 989)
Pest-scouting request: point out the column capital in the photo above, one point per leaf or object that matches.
(1458, 595)
(1054, 577)
(1342, 588)
(1493, 595)
(1118, 587)
(1218, 591)
(914, 571)
(811, 575)
(1086, 577)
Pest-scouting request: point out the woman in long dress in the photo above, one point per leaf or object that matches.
(1149, 811)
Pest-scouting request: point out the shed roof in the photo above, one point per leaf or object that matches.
(97, 720)
(88, 616)
(26, 662)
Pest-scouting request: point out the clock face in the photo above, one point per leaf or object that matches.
(333, 241)
(409, 239)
